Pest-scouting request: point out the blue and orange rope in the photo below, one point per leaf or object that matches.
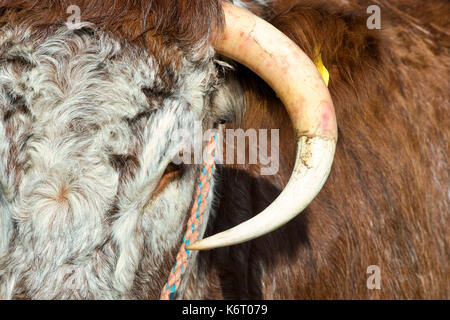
(193, 224)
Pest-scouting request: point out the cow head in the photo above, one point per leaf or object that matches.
(92, 201)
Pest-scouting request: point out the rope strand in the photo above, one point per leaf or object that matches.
(193, 224)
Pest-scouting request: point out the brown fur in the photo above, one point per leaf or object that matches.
(185, 22)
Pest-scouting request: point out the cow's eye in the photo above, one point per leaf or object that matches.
(172, 172)
(173, 168)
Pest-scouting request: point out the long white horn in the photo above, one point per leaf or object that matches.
(261, 47)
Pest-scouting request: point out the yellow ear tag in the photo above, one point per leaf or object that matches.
(319, 64)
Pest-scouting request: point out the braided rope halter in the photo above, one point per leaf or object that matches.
(194, 223)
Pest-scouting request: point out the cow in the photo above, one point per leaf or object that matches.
(93, 204)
